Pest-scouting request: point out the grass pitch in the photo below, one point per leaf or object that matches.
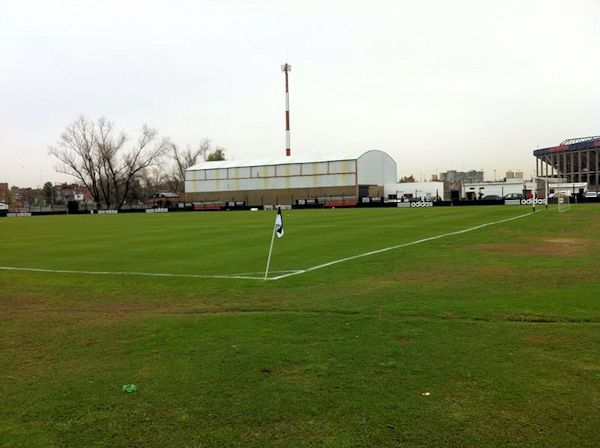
(487, 338)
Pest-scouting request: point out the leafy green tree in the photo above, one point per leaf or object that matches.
(217, 154)
(48, 193)
(36, 197)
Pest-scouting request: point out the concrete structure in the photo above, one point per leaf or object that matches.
(575, 160)
(287, 180)
(163, 199)
(568, 188)
(426, 190)
(477, 190)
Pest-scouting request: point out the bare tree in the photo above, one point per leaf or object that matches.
(96, 155)
(77, 154)
(146, 153)
(182, 161)
(152, 179)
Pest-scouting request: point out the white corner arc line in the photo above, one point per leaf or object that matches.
(398, 246)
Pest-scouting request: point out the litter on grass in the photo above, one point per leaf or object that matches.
(129, 388)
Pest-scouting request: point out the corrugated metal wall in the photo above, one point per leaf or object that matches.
(268, 177)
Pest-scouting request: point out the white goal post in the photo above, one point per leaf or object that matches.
(563, 201)
(560, 201)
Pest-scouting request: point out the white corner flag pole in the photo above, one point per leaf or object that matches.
(277, 229)
(270, 250)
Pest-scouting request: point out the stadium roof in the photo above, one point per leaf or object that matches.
(572, 144)
(279, 160)
(571, 141)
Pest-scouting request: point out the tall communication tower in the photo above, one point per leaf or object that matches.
(286, 68)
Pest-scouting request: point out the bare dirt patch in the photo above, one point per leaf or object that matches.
(296, 374)
(543, 246)
(563, 240)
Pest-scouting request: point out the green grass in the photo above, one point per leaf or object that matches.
(501, 326)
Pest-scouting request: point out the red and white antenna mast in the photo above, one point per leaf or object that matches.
(287, 68)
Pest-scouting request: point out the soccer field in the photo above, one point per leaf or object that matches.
(377, 327)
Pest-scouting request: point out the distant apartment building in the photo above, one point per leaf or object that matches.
(17, 194)
(514, 175)
(69, 192)
(471, 176)
(3, 191)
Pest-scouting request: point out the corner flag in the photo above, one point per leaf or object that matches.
(277, 229)
(279, 224)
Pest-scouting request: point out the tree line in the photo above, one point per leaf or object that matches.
(117, 170)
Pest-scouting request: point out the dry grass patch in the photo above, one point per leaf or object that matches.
(401, 340)
(549, 339)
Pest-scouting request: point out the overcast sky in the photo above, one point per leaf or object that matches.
(462, 84)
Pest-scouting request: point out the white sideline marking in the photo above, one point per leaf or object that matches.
(385, 249)
(147, 274)
(249, 276)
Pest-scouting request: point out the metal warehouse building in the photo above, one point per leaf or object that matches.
(293, 180)
(575, 160)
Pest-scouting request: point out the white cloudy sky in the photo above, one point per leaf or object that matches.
(437, 84)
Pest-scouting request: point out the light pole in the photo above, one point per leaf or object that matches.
(286, 68)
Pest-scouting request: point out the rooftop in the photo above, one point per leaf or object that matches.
(308, 158)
